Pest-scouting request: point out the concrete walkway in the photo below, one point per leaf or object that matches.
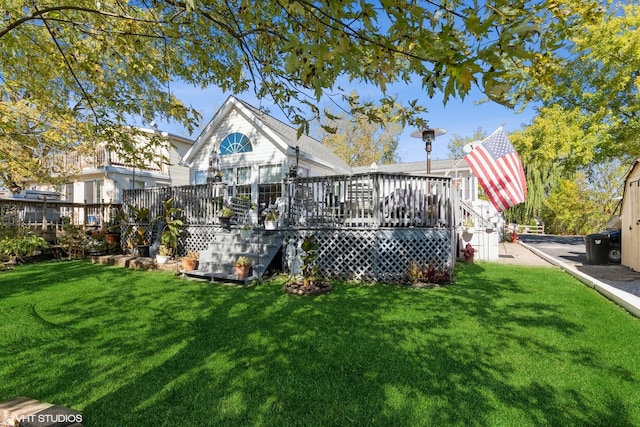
(612, 281)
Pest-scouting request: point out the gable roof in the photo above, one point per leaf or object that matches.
(310, 149)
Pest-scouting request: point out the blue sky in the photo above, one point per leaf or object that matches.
(457, 117)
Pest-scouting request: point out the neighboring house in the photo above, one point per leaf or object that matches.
(103, 175)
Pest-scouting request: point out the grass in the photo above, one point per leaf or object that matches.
(504, 346)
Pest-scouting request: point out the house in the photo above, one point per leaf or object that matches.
(255, 152)
(103, 175)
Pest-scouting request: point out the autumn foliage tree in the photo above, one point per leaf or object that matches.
(76, 72)
(358, 140)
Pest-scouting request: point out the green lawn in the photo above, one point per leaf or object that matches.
(504, 346)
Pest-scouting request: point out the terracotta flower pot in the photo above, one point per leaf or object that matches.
(189, 264)
(112, 238)
(242, 271)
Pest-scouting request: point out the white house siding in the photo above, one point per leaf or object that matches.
(179, 174)
(265, 152)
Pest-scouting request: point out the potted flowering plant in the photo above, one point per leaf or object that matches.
(270, 218)
(224, 215)
(243, 267)
(164, 254)
(96, 244)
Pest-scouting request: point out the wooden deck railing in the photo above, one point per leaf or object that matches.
(364, 200)
(47, 217)
(199, 203)
(374, 199)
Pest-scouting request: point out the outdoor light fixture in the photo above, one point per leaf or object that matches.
(293, 170)
(428, 135)
(213, 168)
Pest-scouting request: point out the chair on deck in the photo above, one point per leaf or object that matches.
(359, 209)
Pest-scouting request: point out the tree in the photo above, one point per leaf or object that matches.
(596, 85)
(584, 203)
(75, 72)
(457, 143)
(358, 140)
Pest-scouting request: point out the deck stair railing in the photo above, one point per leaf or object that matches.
(467, 212)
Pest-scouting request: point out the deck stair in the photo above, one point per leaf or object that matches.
(217, 261)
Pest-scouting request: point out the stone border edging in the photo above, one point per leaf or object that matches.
(629, 302)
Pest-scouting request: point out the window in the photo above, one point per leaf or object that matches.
(270, 187)
(66, 192)
(243, 182)
(99, 191)
(270, 174)
(235, 143)
(244, 176)
(200, 177)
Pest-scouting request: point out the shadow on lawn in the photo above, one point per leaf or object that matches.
(197, 354)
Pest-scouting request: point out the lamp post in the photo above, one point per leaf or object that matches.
(428, 135)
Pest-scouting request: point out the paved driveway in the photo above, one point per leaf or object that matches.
(571, 250)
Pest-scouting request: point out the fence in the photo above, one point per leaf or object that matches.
(524, 229)
(46, 217)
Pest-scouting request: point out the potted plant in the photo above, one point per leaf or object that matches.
(270, 218)
(137, 229)
(164, 254)
(172, 226)
(469, 224)
(246, 231)
(142, 244)
(309, 280)
(467, 229)
(114, 227)
(96, 244)
(243, 267)
(225, 215)
(190, 261)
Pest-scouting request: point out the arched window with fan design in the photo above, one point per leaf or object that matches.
(235, 143)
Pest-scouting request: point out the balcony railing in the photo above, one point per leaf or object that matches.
(102, 157)
(363, 200)
(370, 200)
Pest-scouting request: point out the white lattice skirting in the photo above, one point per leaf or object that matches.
(381, 255)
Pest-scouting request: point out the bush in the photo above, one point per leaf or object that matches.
(20, 242)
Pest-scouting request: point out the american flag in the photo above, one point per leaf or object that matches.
(498, 167)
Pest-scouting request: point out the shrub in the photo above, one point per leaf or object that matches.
(20, 242)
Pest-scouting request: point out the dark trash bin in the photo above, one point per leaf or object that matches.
(597, 248)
